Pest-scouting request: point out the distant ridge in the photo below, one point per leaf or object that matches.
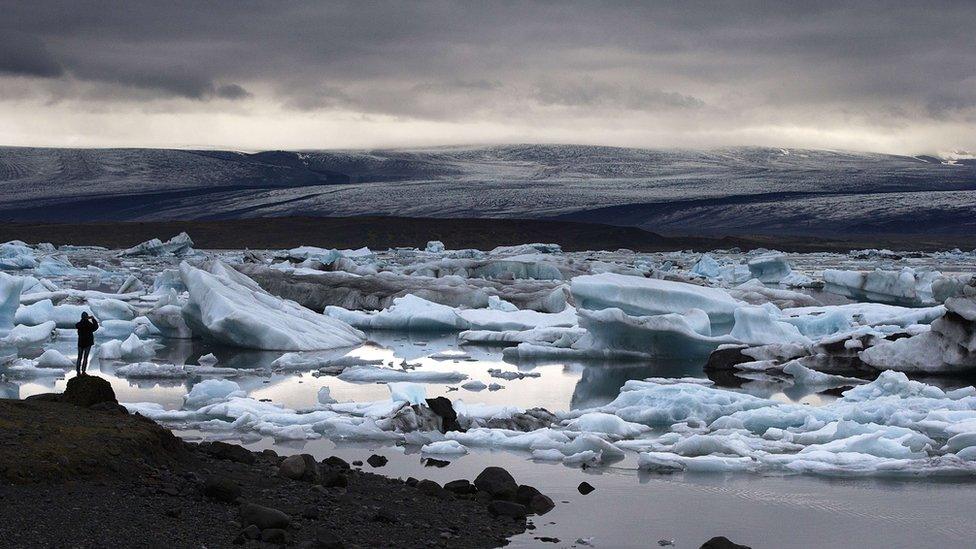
(737, 191)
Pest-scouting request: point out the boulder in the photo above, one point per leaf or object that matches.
(299, 467)
(585, 488)
(534, 500)
(497, 482)
(376, 460)
(431, 488)
(230, 452)
(87, 390)
(335, 462)
(442, 407)
(462, 486)
(510, 509)
(263, 517)
(722, 542)
(222, 489)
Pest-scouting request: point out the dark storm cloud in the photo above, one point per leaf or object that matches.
(449, 60)
(26, 55)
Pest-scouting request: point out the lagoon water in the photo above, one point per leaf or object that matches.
(628, 508)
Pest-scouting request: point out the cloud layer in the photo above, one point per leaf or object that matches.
(893, 76)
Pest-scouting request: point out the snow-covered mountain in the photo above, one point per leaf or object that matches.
(727, 191)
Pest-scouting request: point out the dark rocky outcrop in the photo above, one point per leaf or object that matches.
(442, 407)
(497, 482)
(722, 542)
(88, 390)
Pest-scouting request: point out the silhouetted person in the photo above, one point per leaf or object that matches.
(86, 338)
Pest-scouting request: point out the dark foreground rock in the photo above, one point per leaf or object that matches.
(88, 390)
(79, 477)
(722, 542)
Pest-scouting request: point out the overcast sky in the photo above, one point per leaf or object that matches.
(892, 76)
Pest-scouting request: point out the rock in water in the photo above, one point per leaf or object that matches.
(722, 542)
(88, 390)
(506, 509)
(376, 460)
(442, 407)
(497, 482)
(585, 488)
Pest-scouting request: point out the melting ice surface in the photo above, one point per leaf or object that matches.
(774, 443)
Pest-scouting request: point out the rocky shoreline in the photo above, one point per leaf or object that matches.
(93, 475)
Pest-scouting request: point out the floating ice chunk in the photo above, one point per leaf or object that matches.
(112, 309)
(229, 307)
(65, 316)
(756, 326)
(52, 358)
(509, 375)
(24, 368)
(797, 280)
(324, 396)
(496, 303)
(374, 374)
(613, 332)
(550, 454)
(413, 393)
(211, 391)
(805, 376)
(435, 247)
(559, 337)
(445, 447)
(906, 287)
(407, 313)
(501, 320)
(324, 362)
(755, 292)
(179, 245)
(168, 319)
(521, 249)
(599, 422)
(10, 290)
(324, 256)
(668, 462)
(644, 296)
(207, 360)
(676, 380)
(151, 370)
(132, 348)
(412, 313)
(28, 336)
(662, 405)
(450, 354)
(474, 385)
(707, 267)
(16, 255)
(770, 268)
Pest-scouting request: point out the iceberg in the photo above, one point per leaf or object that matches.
(28, 336)
(639, 296)
(906, 287)
(16, 255)
(179, 245)
(10, 289)
(769, 268)
(53, 358)
(228, 307)
(132, 348)
(375, 374)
